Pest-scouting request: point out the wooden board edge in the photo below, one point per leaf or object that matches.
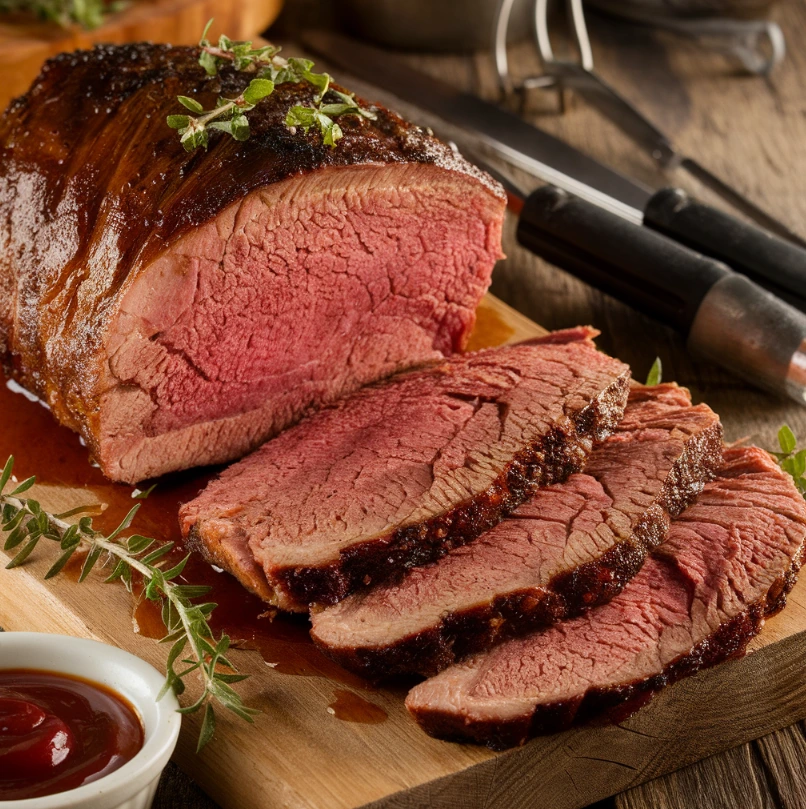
(29, 604)
(566, 771)
(24, 46)
(707, 714)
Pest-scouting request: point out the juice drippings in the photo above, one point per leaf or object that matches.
(350, 707)
(56, 456)
(491, 329)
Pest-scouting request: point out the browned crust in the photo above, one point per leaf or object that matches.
(87, 157)
(619, 701)
(552, 459)
(566, 595)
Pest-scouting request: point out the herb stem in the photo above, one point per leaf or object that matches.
(272, 71)
(221, 53)
(186, 623)
(218, 112)
(169, 591)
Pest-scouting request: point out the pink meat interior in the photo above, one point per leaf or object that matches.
(299, 293)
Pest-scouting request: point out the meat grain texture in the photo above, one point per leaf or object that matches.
(728, 563)
(178, 309)
(570, 546)
(398, 473)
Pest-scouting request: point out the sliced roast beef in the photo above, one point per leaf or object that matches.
(177, 309)
(400, 472)
(727, 564)
(570, 546)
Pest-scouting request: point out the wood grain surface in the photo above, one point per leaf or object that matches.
(753, 131)
(26, 43)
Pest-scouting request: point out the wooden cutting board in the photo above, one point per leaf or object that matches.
(26, 43)
(326, 739)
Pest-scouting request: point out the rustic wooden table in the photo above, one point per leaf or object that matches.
(753, 132)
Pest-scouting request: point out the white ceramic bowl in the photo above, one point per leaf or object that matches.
(134, 784)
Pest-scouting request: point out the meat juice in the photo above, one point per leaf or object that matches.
(56, 456)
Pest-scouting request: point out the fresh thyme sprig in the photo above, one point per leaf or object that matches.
(322, 115)
(193, 130)
(791, 459)
(272, 70)
(187, 629)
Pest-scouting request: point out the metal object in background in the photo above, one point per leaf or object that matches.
(718, 25)
(777, 264)
(433, 25)
(516, 141)
(724, 316)
(580, 76)
(691, 8)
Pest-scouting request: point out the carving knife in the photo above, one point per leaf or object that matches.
(776, 264)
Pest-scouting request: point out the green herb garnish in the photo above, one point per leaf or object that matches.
(229, 114)
(86, 13)
(655, 373)
(322, 115)
(187, 630)
(791, 459)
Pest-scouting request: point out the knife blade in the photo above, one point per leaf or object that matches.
(776, 264)
(523, 145)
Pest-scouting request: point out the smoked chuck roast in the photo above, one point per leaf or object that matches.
(177, 309)
(399, 472)
(568, 547)
(727, 564)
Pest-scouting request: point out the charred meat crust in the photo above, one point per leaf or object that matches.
(616, 703)
(565, 596)
(559, 454)
(88, 158)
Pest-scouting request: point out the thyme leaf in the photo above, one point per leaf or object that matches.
(791, 459)
(655, 373)
(323, 114)
(25, 523)
(229, 114)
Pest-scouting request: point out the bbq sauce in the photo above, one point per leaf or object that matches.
(58, 732)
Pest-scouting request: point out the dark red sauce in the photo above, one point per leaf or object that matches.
(58, 732)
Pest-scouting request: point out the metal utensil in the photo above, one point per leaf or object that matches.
(581, 77)
(446, 25)
(605, 232)
(775, 263)
(724, 316)
(731, 27)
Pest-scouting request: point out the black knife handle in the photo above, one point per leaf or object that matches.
(772, 262)
(634, 264)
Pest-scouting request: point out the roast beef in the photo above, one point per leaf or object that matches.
(728, 563)
(177, 309)
(570, 546)
(400, 472)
